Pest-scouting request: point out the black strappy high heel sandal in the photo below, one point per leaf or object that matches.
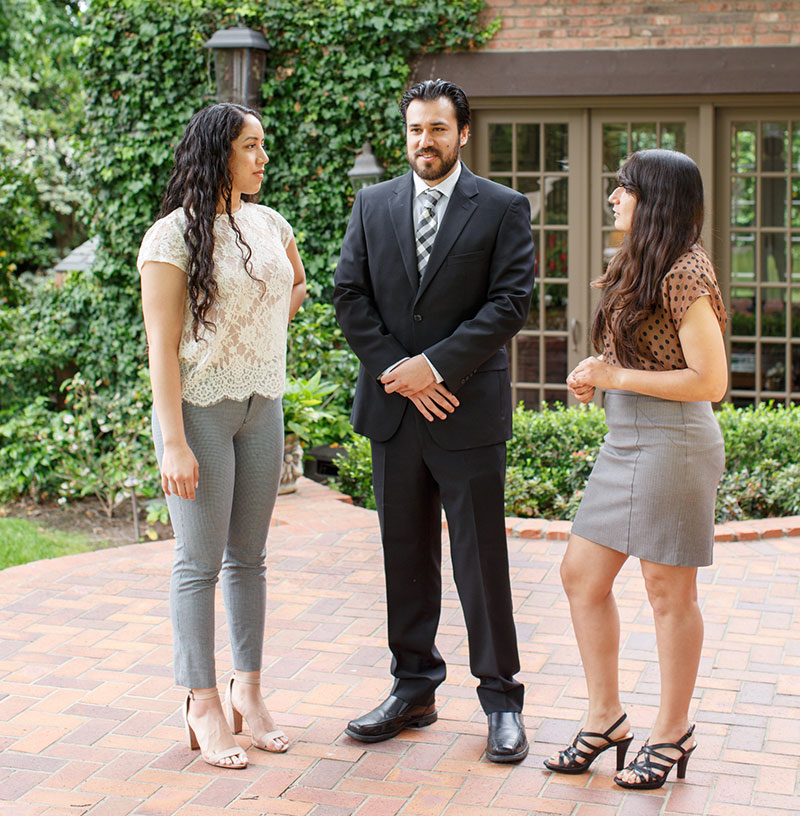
(650, 774)
(574, 760)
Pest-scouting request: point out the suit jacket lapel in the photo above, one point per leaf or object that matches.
(459, 210)
(400, 211)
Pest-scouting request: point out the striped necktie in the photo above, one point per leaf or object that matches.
(426, 229)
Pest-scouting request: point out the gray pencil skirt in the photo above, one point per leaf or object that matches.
(653, 488)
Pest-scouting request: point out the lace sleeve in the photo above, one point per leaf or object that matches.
(284, 227)
(164, 242)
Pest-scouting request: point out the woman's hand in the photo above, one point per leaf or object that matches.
(179, 471)
(583, 393)
(589, 374)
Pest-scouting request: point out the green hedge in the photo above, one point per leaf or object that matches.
(553, 451)
(762, 452)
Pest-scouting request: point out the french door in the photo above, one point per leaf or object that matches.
(759, 182)
(540, 155)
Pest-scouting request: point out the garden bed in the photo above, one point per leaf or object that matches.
(85, 519)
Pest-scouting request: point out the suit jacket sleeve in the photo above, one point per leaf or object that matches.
(510, 283)
(366, 332)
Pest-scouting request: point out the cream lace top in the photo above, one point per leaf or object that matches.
(246, 354)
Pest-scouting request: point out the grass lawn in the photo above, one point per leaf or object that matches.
(22, 541)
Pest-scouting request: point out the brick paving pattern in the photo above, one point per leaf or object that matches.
(90, 722)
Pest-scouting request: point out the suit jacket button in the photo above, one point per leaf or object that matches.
(418, 318)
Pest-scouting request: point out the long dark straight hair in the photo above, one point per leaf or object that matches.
(200, 177)
(667, 221)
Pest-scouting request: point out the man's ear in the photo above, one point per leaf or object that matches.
(463, 137)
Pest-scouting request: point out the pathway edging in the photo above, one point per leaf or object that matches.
(558, 530)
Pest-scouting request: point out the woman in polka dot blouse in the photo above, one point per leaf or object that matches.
(659, 330)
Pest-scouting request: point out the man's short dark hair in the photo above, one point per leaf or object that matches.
(431, 89)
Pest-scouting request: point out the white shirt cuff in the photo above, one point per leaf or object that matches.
(392, 366)
(437, 376)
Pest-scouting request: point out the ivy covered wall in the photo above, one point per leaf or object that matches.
(334, 76)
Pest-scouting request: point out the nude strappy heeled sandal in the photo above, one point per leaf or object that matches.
(234, 716)
(215, 759)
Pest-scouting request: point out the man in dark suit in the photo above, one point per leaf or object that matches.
(434, 278)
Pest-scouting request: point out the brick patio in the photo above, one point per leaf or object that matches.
(90, 722)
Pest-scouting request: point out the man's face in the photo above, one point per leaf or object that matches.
(433, 142)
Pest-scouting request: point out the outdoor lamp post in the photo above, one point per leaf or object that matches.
(240, 55)
(365, 170)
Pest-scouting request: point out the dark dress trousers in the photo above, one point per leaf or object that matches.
(473, 298)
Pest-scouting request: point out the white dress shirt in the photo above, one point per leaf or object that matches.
(445, 187)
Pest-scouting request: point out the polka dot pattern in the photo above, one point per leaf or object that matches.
(691, 277)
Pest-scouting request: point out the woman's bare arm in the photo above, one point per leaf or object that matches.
(163, 298)
(704, 378)
(299, 284)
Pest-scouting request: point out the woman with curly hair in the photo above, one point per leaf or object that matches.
(659, 330)
(221, 278)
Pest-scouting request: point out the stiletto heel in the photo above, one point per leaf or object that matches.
(622, 749)
(234, 716)
(575, 760)
(215, 759)
(651, 774)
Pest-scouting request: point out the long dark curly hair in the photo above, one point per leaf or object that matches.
(200, 177)
(667, 221)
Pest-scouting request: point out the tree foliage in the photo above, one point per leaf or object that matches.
(40, 108)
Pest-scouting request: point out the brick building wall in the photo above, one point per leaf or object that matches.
(536, 25)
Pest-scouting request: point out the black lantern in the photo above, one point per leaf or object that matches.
(365, 170)
(240, 55)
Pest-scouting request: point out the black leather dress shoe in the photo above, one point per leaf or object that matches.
(390, 718)
(507, 741)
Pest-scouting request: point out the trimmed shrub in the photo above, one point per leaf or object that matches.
(355, 472)
(550, 457)
(756, 435)
(553, 451)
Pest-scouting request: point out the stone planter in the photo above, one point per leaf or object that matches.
(292, 467)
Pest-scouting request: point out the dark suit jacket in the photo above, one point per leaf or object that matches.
(473, 299)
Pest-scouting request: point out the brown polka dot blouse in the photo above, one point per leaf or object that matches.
(691, 277)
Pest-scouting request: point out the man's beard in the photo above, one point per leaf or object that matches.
(433, 172)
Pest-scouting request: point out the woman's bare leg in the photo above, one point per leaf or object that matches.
(588, 571)
(672, 592)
